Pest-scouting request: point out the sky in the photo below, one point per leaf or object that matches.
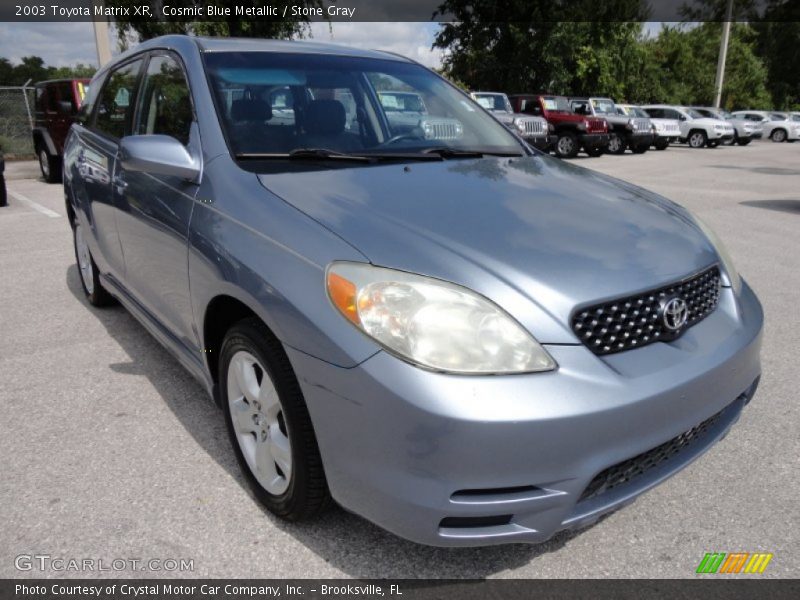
(64, 44)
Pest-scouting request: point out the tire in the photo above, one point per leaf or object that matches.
(567, 146)
(778, 135)
(733, 140)
(713, 144)
(95, 293)
(640, 149)
(697, 139)
(49, 165)
(616, 145)
(594, 151)
(743, 141)
(3, 195)
(269, 425)
(661, 144)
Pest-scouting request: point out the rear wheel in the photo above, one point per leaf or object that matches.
(616, 145)
(778, 135)
(567, 146)
(95, 293)
(49, 165)
(697, 139)
(268, 423)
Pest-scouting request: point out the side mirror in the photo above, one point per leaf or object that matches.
(158, 154)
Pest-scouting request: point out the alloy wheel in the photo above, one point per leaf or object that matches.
(84, 260)
(565, 145)
(614, 144)
(779, 135)
(258, 421)
(44, 163)
(697, 140)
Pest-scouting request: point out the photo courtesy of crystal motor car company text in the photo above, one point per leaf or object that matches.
(399, 300)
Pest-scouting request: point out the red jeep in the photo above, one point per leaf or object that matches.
(574, 132)
(57, 105)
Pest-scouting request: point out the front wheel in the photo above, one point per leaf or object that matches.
(778, 136)
(616, 145)
(567, 146)
(268, 423)
(697, 139)
(661, 144)
(640, 149)
(95, 293)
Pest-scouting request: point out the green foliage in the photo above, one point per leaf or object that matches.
(233, 26)
(33, 68)
(535, 50)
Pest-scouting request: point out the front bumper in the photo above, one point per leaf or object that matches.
(453, 460)
(542, 142)
(640, 139)
(593, 140)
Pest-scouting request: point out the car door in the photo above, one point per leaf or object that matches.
(109, 122)
(155, 209)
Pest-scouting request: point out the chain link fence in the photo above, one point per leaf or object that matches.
(16, 104)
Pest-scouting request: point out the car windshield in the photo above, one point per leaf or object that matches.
(557, 103)
(693, 113)
(272, 104)
(795, 117)
(603, 106)
(635, 111)
(494, 102)
(724, 114)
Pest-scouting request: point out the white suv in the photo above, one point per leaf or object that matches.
(696, 130)
(779, 127)
(665, 130)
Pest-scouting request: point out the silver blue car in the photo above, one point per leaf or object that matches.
(445, 331)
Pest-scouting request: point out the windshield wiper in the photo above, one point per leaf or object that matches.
(447, 152)
(303, 154)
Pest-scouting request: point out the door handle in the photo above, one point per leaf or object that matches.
(120, 184)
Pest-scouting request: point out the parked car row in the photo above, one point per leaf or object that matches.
(597, 125)
(552, 123)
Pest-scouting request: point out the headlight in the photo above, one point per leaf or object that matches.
(520, 125)
(734, 279)
(551, 128)
(433, 323)
(583, 125)
(719, 127)
(659, 126)
(630, 124)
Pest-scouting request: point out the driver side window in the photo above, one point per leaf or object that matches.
(165, 107)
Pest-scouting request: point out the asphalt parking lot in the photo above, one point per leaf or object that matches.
(109, 449)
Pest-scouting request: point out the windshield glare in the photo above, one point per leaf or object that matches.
(274, 103)
(557, 103)
(494, 102)
(603, 106)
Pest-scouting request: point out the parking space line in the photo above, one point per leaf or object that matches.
(34, 205)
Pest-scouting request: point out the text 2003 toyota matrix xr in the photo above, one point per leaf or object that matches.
(447, 332)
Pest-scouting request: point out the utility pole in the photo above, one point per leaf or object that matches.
(101, 38)
(723, 54)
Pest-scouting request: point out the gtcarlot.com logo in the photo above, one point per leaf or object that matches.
(45, 562)
(734, 562)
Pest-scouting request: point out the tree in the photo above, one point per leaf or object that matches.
(778, 45)
(232, 26)
(517, 45)
(685, 58)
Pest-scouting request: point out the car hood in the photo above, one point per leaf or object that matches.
(557, 234)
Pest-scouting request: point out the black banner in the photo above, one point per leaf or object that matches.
(392, 10)
(402, 589)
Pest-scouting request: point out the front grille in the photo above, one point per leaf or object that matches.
(642, 126)
(635, 321)
(442, 130)
(597, 125)
(630, 469)
(533, 127)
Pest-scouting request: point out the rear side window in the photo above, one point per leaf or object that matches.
(165, 105)
(115, 106)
